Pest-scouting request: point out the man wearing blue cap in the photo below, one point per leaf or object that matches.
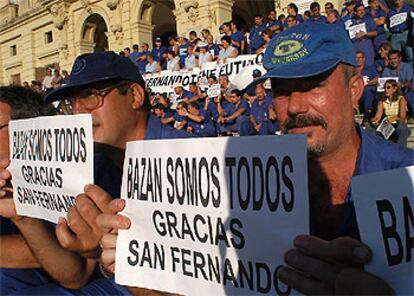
(315, 87)
(159, 53)
(110, 88)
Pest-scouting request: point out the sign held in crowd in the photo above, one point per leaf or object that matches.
(353, 30)
(382, 80)
(212, 217)
(51, 162)
(239, 70)
(386, 222)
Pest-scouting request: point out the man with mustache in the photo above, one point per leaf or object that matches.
(315, 90)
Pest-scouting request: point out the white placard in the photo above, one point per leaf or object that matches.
(384, 205)
(398, 19)
(214, 90)
(303, 5)
(366, 80)
(239, 71)
(353, 30)
(51, 162)
(212, 216)
(365, 2)
(412, 14)
(385, 128)
(382, 80)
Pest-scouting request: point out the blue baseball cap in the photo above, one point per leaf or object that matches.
(307, 49)
(96, 67)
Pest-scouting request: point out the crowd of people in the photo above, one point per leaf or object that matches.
(383, 47)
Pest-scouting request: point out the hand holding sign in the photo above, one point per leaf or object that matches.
(322, 267)
(82, 221)
(110, 223)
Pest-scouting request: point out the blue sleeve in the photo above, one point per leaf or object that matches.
(374, 72)
(243, 104)
(238, 36)
(371, 26)
(204, 113)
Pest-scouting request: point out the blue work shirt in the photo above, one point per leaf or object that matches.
(256, 39)
(404, 72)
(238, 37)
(185, 95)
(260, 110)
(156, 130)
(375, 155)
(369, 72)
(405, 10)
(133, 57)
(274, 23)
(365, 44)
(376, 14)
(142, 64)
(205, 128)
(158, 55)
(213, 49)
(320, 19)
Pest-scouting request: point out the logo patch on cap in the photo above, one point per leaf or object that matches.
(78, 66)
(288, 51)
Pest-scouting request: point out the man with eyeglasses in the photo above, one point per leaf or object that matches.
(291, 21)
(110, 88)
(315, 9)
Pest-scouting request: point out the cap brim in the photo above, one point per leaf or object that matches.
(289, 71)
(63, 92)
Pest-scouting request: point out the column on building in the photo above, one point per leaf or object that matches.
(200, 14)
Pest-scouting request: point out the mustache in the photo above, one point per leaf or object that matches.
(304, 121)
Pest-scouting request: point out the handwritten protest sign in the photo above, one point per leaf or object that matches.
(303, 5)
(384, 205)
(51, 162)
(212, 216)
(382, 80)
(214, 90)
(353, 30)
(398, 19)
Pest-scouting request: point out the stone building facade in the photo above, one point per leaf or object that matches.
(35, 34)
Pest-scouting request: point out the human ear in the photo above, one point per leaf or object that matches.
(356, 87)
(138, 96)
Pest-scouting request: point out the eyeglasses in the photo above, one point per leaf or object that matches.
(388, 87)
(91, 99)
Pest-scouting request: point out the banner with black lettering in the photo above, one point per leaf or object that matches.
(212, 216)
(239, 70)
(51, 162)
(384, 205)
